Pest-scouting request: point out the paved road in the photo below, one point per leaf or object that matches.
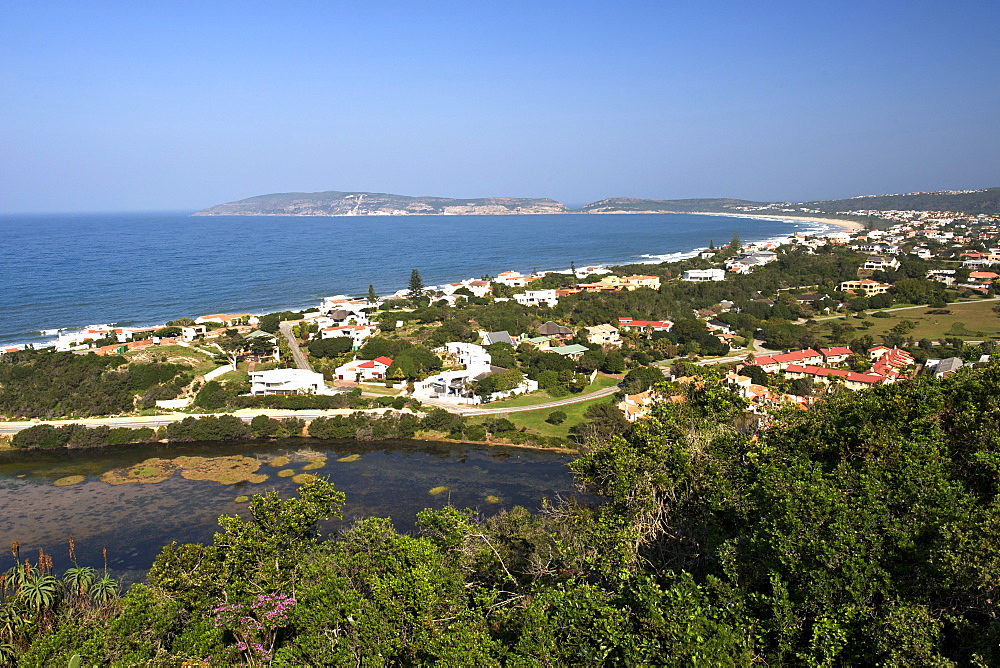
(470, 411)
(300, 359)
(161, 420)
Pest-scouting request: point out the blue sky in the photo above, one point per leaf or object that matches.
(181, 105)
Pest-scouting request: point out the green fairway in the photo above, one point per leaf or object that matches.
(973, 320)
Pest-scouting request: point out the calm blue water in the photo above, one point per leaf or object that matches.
(72, 270)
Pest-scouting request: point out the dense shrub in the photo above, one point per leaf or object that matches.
(78, 436)
(208, 428)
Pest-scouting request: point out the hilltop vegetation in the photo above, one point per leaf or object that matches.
(862, 532)
(339, 203)
(986, 201)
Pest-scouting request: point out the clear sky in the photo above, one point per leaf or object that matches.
(175, 105)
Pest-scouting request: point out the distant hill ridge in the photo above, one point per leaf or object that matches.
(338, 203)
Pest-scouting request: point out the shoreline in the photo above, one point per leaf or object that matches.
(650, 258)
(846, 225)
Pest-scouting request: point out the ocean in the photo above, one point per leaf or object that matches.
(67, 271)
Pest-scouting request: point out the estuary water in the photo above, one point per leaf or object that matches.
(73, 270)
(136, 519)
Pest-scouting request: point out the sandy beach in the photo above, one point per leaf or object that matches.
(846, 225)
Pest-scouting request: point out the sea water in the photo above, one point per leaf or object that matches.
(72, 270)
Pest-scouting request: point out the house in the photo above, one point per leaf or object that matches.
(359, 370)
(479, 289)
(357, 333)
(489, 338)
(228, 319)
(191, 332)
(286, 381)
(614, 283)
(574, 351)
(850, 379)
(515, 279)
(540, 342)
(866, 286)
(835, 355)
(889, 362)
(641, 325)
(552, 330)
(637, 406)
(772, 363)
(456, 386)
(468, 354)
(537, 298)
(339, 317)
(704, 275)
(880, 263)
(604, 335)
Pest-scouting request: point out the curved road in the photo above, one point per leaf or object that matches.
(300, 359)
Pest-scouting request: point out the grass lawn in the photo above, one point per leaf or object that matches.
(542, 396)
(535, 420)
(381, 389)
(966, 320)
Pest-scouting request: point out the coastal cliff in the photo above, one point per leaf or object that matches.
(336, 203)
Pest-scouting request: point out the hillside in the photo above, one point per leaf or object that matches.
(633, 205)
(986, 201)
(336, 203)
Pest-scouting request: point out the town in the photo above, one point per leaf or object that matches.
(779, 325)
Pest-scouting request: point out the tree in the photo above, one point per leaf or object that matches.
(734, 244)
(416, 284)
(556, 417)
(372, 295)
(232, 345)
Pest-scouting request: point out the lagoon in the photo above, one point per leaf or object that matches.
(135, 520)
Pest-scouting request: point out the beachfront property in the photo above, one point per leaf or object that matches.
(704, 275)
(286, 381)
(190, 333)
(228, 319)
(515, 279)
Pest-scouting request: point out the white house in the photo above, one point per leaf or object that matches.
(357, 333)
(363, 369)
(286, 381)
(537, 298)
(704, 275)
(468, 354)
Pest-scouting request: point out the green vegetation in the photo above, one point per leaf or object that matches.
(862, 532)
(48, 384)
(45, 436)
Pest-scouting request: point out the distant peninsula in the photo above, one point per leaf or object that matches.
(338, 203)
